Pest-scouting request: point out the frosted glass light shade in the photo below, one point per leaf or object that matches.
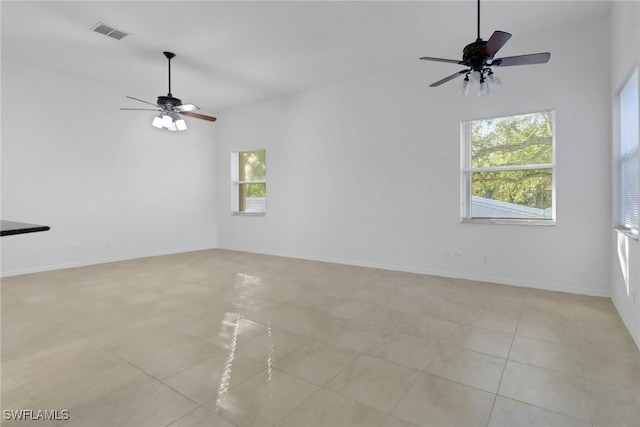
(157, 122)
(464, 87)
(493, 81)
(483, 89)
(181, 124)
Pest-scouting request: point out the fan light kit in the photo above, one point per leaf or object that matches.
(171, 108)
(478, 57)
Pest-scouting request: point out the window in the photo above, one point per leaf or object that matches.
(628, 157)
(508, 169)
(249, 182)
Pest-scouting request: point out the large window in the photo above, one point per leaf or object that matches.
(249, 182)
(628, 158)
(508, 169)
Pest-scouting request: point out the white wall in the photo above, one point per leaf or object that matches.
(108, 184)
(389, 142)
(625, 253)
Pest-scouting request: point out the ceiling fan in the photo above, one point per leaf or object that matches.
(478, 58)
(171, 108)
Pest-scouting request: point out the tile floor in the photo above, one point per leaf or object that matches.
(221, 338)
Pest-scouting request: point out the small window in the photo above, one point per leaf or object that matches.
(249, 182)
(508, 169)
(628, 155)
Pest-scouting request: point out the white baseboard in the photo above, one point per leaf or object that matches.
(633, 331)
(449, 274)
(97, 261)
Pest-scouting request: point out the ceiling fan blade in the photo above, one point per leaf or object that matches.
(186, 107)
(452, 61)
(131, 97)
(142, 109)
(198, 116)
(451, 77)
(497, 40)
(533, 58)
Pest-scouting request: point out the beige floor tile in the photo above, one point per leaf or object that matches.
(108, 325)
(547, 389)
(162, 351)
(374, 382)
(406, 350)
(201, 417)
(154, 405)
(176, 317)
(94, 390)
(329, 409)
(75, 367)
(317, 362)
(13, 396)
(481, 340)
(407, 323)
(17, 345)
(263, 399)
(392, 421)
(548, 330)
(272, 345)
(312, 324)
(355, 336)
(496, 321)
(609, 368)
(343, 308)
(47, 356)
(615, 340)
(467, 367)
(509, 413)
(442, 309)
(279, 314)
(434, 401)
(547, 355)
(612, 405)
(234, 329)
(205, 381)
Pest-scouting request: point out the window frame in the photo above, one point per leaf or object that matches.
(466, 172)
(235, 183)
(620, 206)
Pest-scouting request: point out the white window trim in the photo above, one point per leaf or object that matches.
(618, 159)
(466, 170)
(235, 184)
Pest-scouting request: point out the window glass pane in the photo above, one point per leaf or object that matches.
(517, 140)
(252, 197)
(521, 194)
(252, 165)
(629, 152)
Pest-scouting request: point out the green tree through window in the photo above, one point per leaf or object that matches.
(509, 169)
(250, 181)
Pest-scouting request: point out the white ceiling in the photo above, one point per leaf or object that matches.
(236, 52)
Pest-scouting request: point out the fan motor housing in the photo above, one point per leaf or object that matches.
(169, 101)
(473, 54)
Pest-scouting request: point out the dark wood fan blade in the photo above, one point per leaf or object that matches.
(452, 61)
(142, 109)
(451, 77)
(497, 40)
(198, 116)
(186, 107)
(533, 58)
(150, 103)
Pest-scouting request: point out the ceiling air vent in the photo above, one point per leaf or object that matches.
(108, 30)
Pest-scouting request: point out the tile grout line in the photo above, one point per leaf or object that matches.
(495, 397)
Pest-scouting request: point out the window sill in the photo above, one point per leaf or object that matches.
(248, 213)
(500, 221)
(629, 232)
